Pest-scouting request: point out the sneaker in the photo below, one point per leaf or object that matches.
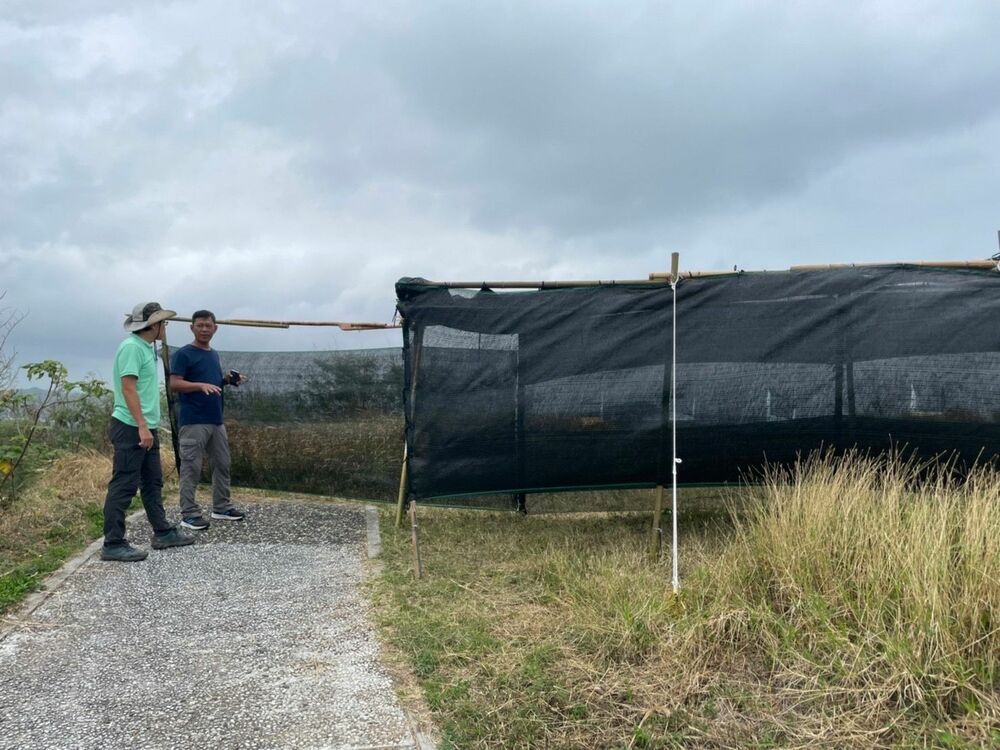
(123, 553)
(229, 515)
(198, 523)
(173, 538)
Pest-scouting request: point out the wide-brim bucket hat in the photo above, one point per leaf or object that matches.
(146, 314)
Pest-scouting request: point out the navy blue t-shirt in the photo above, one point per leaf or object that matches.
(198, 366)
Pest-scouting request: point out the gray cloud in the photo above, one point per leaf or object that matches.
(588, 124)
(293, 160)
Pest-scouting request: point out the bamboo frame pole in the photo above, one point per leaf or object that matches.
(255, 324)
(404, 485)
(342, 325)
(659, 277)
(987, 265)
(656, 533)
(404, 478)
(674, 265)
(175, 441)
(418, 570)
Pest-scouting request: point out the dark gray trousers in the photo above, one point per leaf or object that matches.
(197, 441)
(134, 469)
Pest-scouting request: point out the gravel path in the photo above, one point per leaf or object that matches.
(254, 637)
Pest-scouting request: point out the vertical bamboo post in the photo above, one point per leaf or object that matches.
(656, 532)
(404, 476)
(404, 486)
(418, 571)
(175, 440)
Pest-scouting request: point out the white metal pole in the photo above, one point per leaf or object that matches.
(673, 417)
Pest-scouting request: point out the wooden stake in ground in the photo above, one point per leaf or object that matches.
(404, 486)
(404, 479)
(418, 570)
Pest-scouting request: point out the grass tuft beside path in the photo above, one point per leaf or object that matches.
(842, 604)
(56, 517)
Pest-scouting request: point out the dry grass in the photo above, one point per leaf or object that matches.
(870, 592)
(56, 516)
(845, 604)
(354, 458)
(842, 604)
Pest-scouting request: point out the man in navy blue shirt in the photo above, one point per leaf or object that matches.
(196, 374)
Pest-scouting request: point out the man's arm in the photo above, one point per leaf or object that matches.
(131, 394)
(180, 385)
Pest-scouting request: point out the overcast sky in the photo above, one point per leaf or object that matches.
(294, 159)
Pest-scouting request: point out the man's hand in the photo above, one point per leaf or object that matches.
(145, 438)
(180, 385)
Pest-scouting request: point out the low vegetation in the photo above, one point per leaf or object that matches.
(352, 457)
(840, 604)
(56, 516)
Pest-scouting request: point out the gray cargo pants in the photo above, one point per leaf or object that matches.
(197, 440)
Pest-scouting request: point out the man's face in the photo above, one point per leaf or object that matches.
(203, 329)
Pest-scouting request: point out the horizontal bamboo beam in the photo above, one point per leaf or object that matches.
(980, 264)
(342, 325)
(255, 324)
(666, 276)
(660, 277)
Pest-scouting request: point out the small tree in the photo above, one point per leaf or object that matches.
(28, 415)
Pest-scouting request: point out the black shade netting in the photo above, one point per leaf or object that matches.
(570, 388)
(321, 422)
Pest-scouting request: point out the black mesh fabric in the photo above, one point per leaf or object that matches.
(528, 391)
(322, 422)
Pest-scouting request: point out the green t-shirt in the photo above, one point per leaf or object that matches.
(135, 356)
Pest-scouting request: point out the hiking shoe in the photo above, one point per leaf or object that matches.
(173, 538)
(229, 515)
(198, 523)
(123, 553)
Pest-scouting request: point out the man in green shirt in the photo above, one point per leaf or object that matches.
(133, 433)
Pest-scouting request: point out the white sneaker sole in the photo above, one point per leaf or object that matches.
(187, 525)
(222, 517)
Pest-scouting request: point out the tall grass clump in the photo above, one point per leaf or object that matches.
(60, 513)
(870, 586)
(841, 603)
